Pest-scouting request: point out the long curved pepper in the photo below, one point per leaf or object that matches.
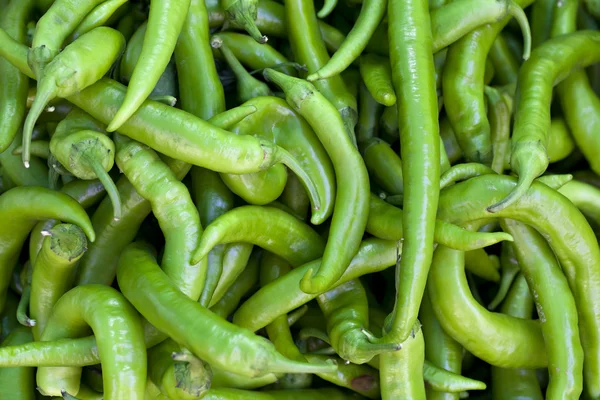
(79, 65)
(243, 14)
(165, 22)
(206, 335)
(247, 224)
(549, 64)
(371, 14)
(120, 336)
(81, 146)
(352, 198)
(20, 209)
(346, 309)
(53, 28)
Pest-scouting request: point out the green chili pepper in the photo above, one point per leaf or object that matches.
(99, 16)
(15, 171)
(377, 76)
(166, 85)
(120, 342)
(385, 223)
(13, 84)
(350, 212)
(242, 286)
(17, 382)
(246, 224)
(517, 383)
(480, 264)
(235, 259)
(260, 310)
(294, 196)
(487, 334)
(53, 28)
(541, 21)
(384, 165)
(25, 278)
(301, 394)
(309, 49)
(81, 146)
(193, 326)
(53, 271)
(552, 215)
(369, 112)
(346, 310)
(22, 207)
(165, 22)
(276, 121)
(550, 63)
(451, 146)
(560, 142)
(243, 13)
(178, 374)
(505, 63)
(510, 268)
(402, 370)
(371, 14)
(499, 117)
(224, 379)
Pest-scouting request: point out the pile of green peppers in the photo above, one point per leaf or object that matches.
(299, 199)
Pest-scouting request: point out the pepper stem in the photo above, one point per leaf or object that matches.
(313, 332)
(327, 8)
(108, 183)
(22, 316)
(518, 14)
(46, 91)
(241, 15)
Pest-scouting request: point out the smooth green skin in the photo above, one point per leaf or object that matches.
(200, 89)
(504, 61)
(20, 209)
(212, 199)
(496, 338)
(377, 76)
(17, 382)
(174, 209)
(371, 15)
(80, 141)
(309, 49)
(440, 349)
(228, 119)
(240, 288)
(346, 309)
(118, 329)
(402, 371)
(53, 28)
(369, 112)
(13, 84)
(295, 197)
(79, 65)
(584, 196)
(235, 259)
(411, 46)
(508, 384)
(271, 268)
(177, 379)
(463, 172)
(99, 264)
(165, 22)
(549, 64)
(266, 227)
(276, 121)
(248, 86)
(500, 118)
(556, 304)
(480, 264)
(224, 379)
(385, 223)
(15, 171)
(551, 214)
(384, 166)
(541, 21)
(54, 271)
(301, 394)
(560, 142)
(206, 335)
(362, 379)
(99, 16)
(352, 198)
(260, 310)
(166, 84)
(451, 146)
(252, 54)
(178, 134)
